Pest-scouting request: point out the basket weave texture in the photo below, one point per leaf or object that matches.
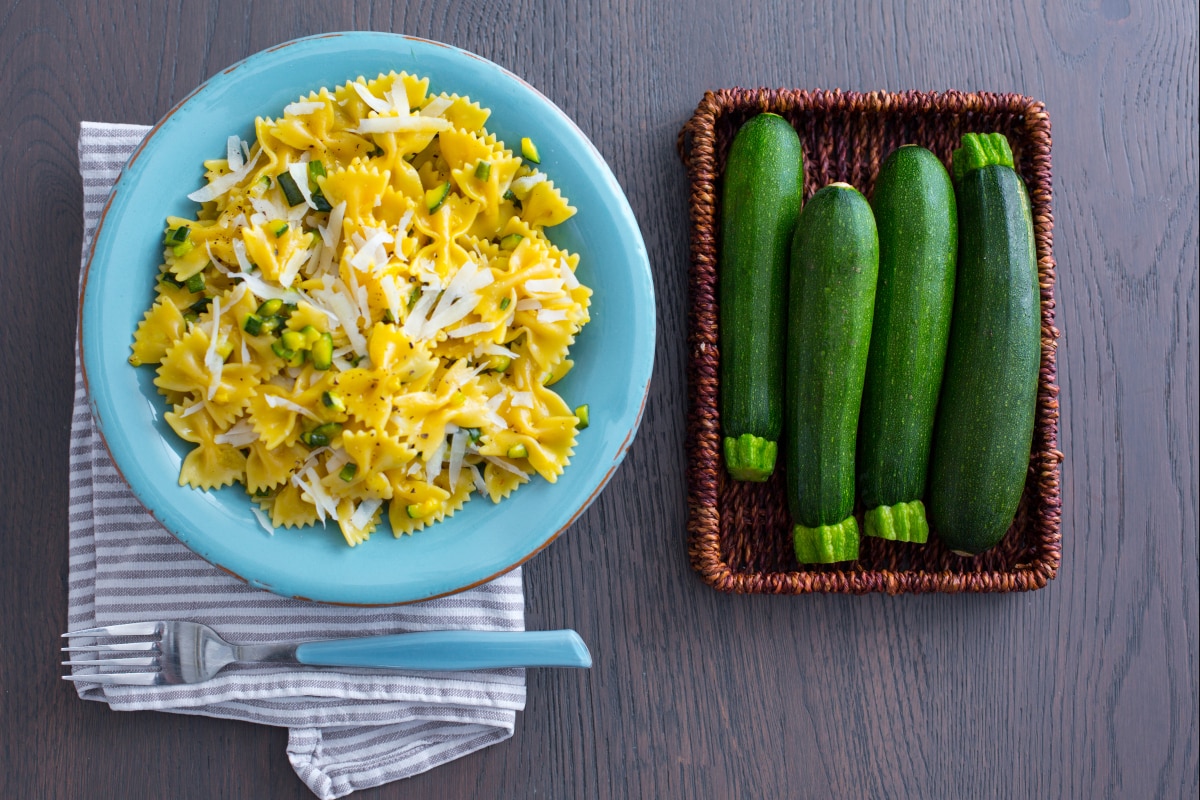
(739, 534)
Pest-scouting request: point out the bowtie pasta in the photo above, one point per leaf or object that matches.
(365, 316)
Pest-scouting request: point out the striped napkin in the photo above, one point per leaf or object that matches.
(347, 729)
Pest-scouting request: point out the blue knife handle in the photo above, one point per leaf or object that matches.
(451, 650)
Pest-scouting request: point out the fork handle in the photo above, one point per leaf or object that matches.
(450, 650)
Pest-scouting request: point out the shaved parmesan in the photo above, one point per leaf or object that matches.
(433, 467)
(212, 359)
(363, 514)
(222, 184)
(568, 274)
(547, 315)
(263, 290)
(300, 108)
(292, 267)
(523, 186)
(391, 293)
(239, 435)
(458, 448)
(528, 304)
(522, 400)
(376, 103)
(319, 497)
(544, 286)
(371, 250)
(507, 466)
(299, 173)
(492, 349)
(347, 315)
(470, 330)
(331, 233)
(416, 317)
(477, 479)
(262, 518)
(395, 124)
(436, 107)
(192, 409)
(275, 401)
(233, 153)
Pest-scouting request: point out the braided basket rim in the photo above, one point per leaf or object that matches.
(1038, 528)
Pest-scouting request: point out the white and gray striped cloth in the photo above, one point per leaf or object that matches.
(347, 730)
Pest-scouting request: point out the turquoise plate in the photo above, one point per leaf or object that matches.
(614, 353)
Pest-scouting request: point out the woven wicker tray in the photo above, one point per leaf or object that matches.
(739, 534)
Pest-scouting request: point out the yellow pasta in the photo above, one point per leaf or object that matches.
(365, 317)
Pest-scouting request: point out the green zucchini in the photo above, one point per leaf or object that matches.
(760, 201)
(834, 268)
(914, 209)
(985, 415)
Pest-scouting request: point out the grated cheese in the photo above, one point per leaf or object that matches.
(365, 511)
(376, 103)
(299, 173)
(544, 286)
(275, 401)
(262, 518)
(301, 108)
(222, 184)
(213, 360)
(233, 153)
(395, 124)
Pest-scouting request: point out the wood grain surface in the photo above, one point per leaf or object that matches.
(1085, 689)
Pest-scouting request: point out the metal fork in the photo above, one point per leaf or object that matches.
(176, 651)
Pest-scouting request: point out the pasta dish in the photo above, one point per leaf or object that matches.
(366, 317)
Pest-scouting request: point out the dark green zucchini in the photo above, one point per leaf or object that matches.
(986, 411)
(764, 178)
(914, 209)
(834, 267)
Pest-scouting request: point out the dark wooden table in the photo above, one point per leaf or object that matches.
(1087, 688)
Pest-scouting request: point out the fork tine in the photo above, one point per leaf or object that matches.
(128, 629)
(106, 648)
(119, 678)
(126, 661)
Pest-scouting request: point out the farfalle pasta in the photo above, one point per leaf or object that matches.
(366, 316)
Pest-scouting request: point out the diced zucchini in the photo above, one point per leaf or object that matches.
(281, 350)
(270, 308)
(293, 340)
(322, 352)
(436, 196)
(195, 284)
(511, 241)
(253, 324)
(518, 451)
(333, 401)
(310, 334)
(348, 472)
(582, 414)
(483, 170)
(321, 435)
(176, 236)
(291, 192)
(529, 151)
